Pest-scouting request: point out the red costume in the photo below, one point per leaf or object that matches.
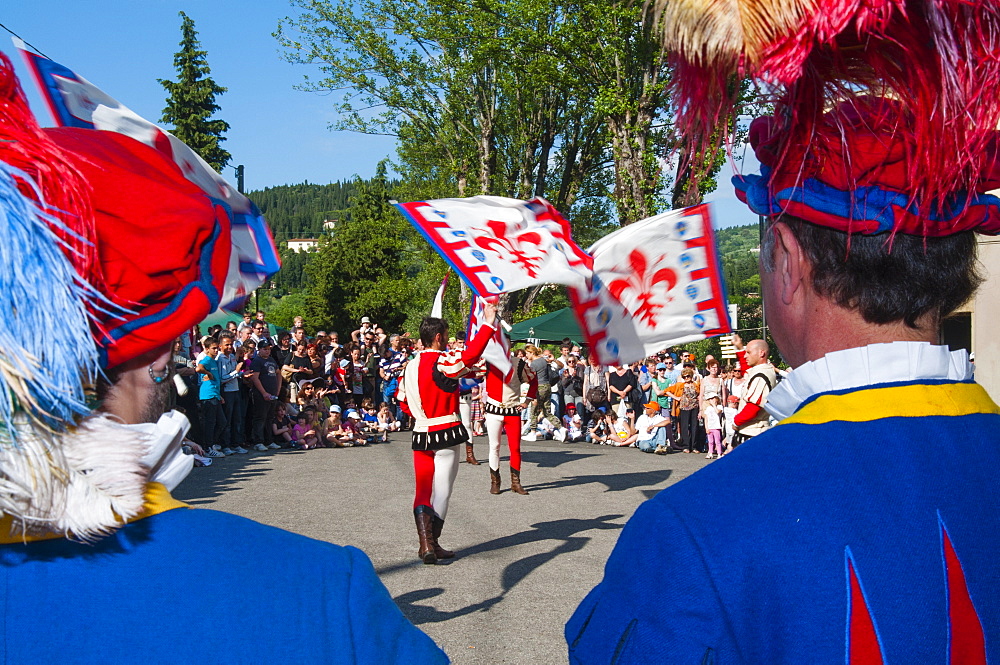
(502, 404)
(428, 391)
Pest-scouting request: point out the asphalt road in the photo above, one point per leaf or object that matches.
(523, 562)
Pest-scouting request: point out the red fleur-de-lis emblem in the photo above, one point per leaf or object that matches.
(520, 249)
(651, 287)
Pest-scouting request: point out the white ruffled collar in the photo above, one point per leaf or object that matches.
(865, 366)
(167, 463)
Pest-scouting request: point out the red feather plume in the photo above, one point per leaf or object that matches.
(940, 59)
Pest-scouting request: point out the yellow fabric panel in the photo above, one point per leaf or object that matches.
(909, 401)
(156, 500)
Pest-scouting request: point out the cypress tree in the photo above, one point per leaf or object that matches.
(191, 100)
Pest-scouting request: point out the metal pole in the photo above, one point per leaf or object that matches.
(239, 187)
(760, 244)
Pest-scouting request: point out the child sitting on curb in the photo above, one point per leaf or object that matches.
(281, 428)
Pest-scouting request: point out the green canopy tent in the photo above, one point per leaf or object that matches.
(552, 327)
(222, 318)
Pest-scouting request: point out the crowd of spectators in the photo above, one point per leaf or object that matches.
(665, 403)
(246, 388)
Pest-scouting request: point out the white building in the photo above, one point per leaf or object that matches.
(974, 325)
(302, 244)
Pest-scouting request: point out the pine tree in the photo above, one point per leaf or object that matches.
(191, 100)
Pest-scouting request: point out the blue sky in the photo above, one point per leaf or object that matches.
(280, 134)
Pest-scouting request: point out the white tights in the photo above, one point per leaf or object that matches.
(494, 427)
(445, 472)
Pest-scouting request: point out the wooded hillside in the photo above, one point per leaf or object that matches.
(298, 211)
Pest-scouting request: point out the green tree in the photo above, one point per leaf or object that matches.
(282, 310)
(479, 103)
(291, 277)
(363, 269)
(191, 100)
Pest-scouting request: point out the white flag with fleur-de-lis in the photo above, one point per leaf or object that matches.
(498, 245)
(655, 283)
(497, 352)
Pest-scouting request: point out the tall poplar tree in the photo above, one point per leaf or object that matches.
(191, 100)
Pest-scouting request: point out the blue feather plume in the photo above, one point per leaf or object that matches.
(47, 351)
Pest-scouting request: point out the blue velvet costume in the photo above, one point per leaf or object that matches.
(200, 586)
(865, 528)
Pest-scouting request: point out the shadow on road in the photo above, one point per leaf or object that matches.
(549, 459)
(615, 482)
(225, 475)
(558, 530)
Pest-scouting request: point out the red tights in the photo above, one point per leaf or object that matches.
(512, 426)
(423, 466)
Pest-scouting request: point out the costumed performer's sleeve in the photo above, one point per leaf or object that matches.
(456, 365)
(746, 414)
(532, 383)
(379, 631)
(741, 355)
(757, 391)
(474, 349)
(656, 603)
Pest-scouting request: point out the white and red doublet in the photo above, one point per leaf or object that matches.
(760, 379)
(503, 392)
(429, 392)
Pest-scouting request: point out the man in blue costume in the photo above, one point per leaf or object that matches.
(98, 564)
(863, 528)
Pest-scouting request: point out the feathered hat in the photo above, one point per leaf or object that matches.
(109, 252)
(883, 116)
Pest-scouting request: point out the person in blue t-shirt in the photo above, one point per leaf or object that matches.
(213, 419)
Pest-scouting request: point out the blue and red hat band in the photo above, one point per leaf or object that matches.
(867, 210)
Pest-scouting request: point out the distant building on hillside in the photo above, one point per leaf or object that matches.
(329, 225)
(302, 244)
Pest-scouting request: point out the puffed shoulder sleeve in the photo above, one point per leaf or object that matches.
(379, 631)
(656, 603)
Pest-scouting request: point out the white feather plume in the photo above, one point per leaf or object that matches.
(80, 484)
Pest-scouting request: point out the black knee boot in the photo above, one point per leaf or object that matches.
(436, 525)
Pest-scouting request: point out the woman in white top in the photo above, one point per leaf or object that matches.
(621, 432)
